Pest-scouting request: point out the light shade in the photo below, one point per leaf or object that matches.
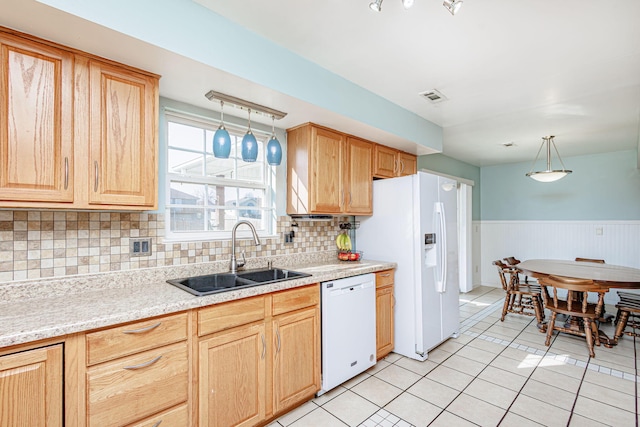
(274, 151)
(249, 147)
(548, 175)
(452, 5)
(407, 3)
(221, 143)
(376, 5)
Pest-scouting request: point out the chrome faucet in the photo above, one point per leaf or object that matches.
(235, 265)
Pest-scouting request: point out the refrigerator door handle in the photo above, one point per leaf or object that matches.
(442, 261)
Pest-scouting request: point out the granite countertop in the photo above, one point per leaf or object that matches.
(40, 309)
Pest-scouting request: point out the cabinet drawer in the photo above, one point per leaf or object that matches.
(295, 299)
(384, 278)
(230, 314)
(173, 417)
(132, 338)
(135, 387)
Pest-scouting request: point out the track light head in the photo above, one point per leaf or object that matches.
(376, 5)
(452, 5)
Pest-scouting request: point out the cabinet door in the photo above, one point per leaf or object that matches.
(31, 388)
(296, 357)
(36, 122)
(123, 147)
(326, 172)
(384, 321)
(385, 162)
(232, 377)
(408, 164)
(359, 198)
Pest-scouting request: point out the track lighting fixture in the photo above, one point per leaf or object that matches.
(452, 5)
(376, 5)
(407, 3)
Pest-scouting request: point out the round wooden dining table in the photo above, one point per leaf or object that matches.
(607, 276)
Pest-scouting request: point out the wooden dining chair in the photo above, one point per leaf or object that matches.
(519, 298)
(512, 261)
(576, 305)
(628, 315)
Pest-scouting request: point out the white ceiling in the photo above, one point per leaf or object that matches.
(513, 71)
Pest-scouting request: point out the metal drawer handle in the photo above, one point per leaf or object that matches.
(385, 275)
(157, 424)
(142, 330)
(143, 365)
(66, 173)
(95, 181)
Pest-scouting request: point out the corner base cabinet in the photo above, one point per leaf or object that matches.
(384, 313)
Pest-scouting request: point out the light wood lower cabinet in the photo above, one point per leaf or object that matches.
(384, 313)
(296, 360)
(232, 377)
(249, 373)
(137, 370)
(31, 388)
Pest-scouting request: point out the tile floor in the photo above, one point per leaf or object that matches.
(494, 374)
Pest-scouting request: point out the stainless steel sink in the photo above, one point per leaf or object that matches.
(222, 282)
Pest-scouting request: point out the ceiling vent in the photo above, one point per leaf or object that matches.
(433, 96)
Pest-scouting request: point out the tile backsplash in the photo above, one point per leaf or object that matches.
(40, 244)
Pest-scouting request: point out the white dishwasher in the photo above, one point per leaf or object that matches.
(348, 328)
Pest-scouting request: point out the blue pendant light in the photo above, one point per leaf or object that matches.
(249, 147)
(274, 150)
(221, 139)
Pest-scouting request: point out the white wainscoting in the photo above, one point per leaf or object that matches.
(617, 242)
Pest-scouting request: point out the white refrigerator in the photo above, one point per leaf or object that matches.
(414, 224)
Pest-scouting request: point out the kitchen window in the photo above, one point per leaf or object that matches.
(206, 195)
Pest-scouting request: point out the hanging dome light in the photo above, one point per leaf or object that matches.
(249, 146)
(221, 139)
(274, 150)
(548, 175)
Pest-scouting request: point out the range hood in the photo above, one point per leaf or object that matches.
(311, 217)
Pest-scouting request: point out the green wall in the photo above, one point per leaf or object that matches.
(601, 187)
(447, 165)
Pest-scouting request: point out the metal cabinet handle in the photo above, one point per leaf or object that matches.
(401, 167)
(143, 365)
(278, 342)
(350, 199)
(157, 424)
(142, 330)
(95, 181)
(395, 165)
(264, 347)
(385, 275)
(66, 173)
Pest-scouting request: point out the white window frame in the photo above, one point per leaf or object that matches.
(268, 184)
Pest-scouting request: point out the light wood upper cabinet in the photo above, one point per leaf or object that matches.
(389, 162)
(36, 121)
(123, 136)
(76, 131)
(359, 190)
(31, 388)
(327, 172)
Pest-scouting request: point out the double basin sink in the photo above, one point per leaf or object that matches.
(222, 282)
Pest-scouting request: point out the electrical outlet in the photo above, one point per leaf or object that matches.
(599, 231)
(140, 247)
